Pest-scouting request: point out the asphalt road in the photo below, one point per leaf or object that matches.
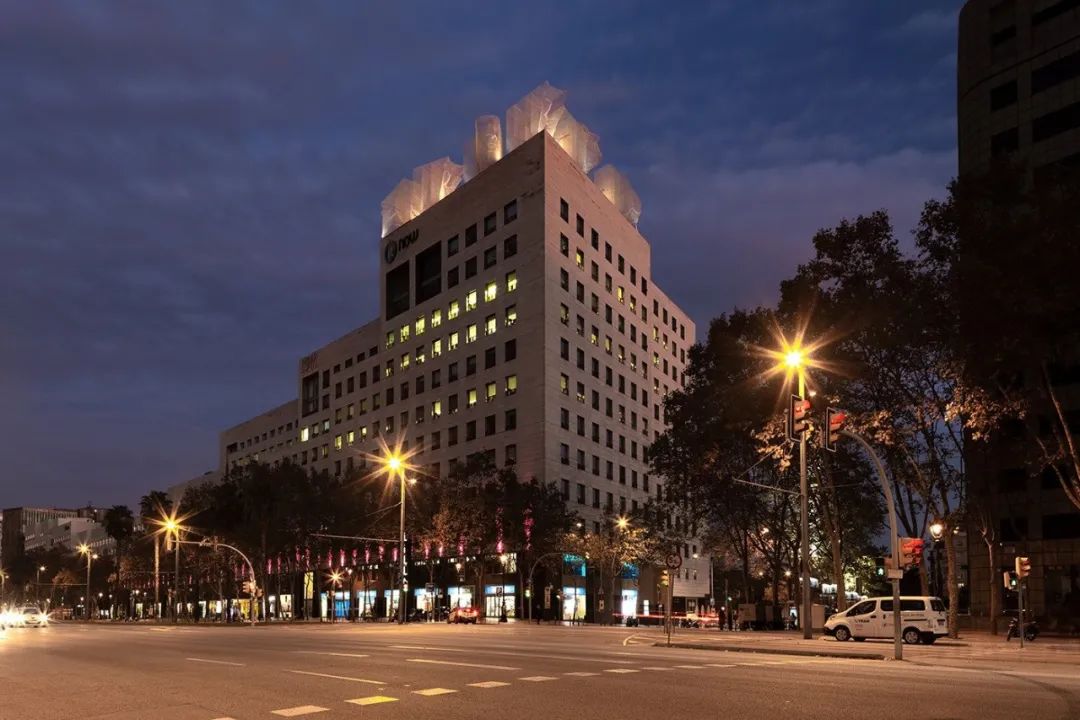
(511, 671)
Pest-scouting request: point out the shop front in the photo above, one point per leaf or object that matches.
(499, 600)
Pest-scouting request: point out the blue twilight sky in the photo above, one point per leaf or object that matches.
(189, 191)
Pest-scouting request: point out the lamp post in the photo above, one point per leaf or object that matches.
(335, 583)
(395, 466)
(937, 530)
(796, 360)
(84, 549)
(171, 527)
(37, 583)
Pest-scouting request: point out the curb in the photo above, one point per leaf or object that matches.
(774, 651)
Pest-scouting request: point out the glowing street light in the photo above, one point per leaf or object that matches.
(395, 465)
(937, 529)
(171, 526)
(622, 522)
(84, 549)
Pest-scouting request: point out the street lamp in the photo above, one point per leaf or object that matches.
(395, 466)
(622, 523)
(84, 549)
(937, 531)
(796, 359)
(171, 526)
(37, 583)
(335, 583)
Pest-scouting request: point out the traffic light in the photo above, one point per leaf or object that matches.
(796, 419)
(665, 578)
(1023, 567)
(834, 420)
(882, 566)
(911, 550)
(1009, 580)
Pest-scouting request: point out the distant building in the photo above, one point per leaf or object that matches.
(26, 528)
(1019, 97)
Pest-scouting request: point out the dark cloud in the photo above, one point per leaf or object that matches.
(191, 190)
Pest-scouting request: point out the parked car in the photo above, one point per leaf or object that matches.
(463, 615)
(922, 619)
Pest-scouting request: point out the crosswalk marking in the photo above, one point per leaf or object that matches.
(300, 710)
(487, 685)
(434, 691)
(621, 671)
(581, 673)
(537, 678)
(372, 700)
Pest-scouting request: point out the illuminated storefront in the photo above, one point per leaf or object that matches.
(499, 599)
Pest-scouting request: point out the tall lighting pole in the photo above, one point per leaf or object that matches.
(84, 549)
(395, 466)
(795, 359)
(37, 583)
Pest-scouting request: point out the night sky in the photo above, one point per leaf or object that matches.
(189, 191)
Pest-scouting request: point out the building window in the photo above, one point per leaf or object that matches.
(564, 210)
(490, 325)
(510, 247)
(491, 290)
(579, 258)
(452, 277)
(580, 494)
(511, 454)
(564, 454)
(564, 348)
(564, 279)
(470, 398)
(489, 425)
(510, 350)
(491, 256)
(1004, 142)
(454, 310)
(1056, 122)
(510, 420)
(489, 224)
(470, 268)
(490, 391)
(564, 314)
(510, 212)
(511, 384)
(581, 226)
(452, 246)
(511, 281)
(564, 384)
(489, 358)
(470, 236)
(1004, 95)
(470, 301)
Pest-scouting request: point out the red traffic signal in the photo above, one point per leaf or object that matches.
(911, 550)
(798, 409)
(835, 421)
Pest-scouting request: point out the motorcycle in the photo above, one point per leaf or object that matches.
(1031, 630)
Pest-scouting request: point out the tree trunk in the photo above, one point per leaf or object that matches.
(951, 582)
(924, 581)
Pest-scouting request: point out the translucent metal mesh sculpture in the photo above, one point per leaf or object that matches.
(430, 184)
(487, 142)
(620, 192)
(539, 110)
(578, 141)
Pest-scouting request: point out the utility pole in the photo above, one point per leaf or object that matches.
(403, 596)
(805, 619)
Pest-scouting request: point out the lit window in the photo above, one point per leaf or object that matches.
(511, 315)
(622, 354)
(389, 370)
(363, 433)
(351, 437)
(453, 342)
(436, 348)
(633, 303)
(655, 361)
(491, 390)
(579, 257)
(419, 325)
(490, 325)
(490, 290)
(511, 281)
(470, 398)
(436, 318)
(594, 336)
(607, 344)
(470, 301)
(420, 355)
(436, 409)
(564, 314)
(470, 334)
(390, 339)
(511, 384)
(564, 384)
(619, 293)
(305, 434)
(337, 442)
(403, 334)
(455, 308)
(405, 361)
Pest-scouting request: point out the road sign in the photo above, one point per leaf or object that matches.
(892, 574)
(673, 561)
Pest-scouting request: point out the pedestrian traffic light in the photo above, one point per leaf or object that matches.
(1023, 567)
(1009, 580)
(796, 420)
(881, 566)
(911, 550)
(834, 420)
(665, 578)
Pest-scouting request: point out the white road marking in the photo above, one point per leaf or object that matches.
(301, 710)
(576, 658)
(489, 684)
(690, 667)
(426, 647)
(336, 677)
(332, 654)
(460, 664)
(656, 667)
(433, 691)
(372, 700)
(537, 678)
(215, 662)
(720, 665)
(581, 674)
(621, 671)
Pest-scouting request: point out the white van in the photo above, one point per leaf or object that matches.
(922, 619)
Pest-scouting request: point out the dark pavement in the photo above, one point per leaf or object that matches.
(419, 672)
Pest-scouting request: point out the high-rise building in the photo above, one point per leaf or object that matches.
(1019, 97)
(518, 319)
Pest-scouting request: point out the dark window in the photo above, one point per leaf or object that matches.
(564, 279)
(1013, 529)
(310, 394)
(1052, 11)
(470, 430)
(564, 245)
(510, 212)
(489, 425)
(1003, 95)
(595, 240)
(452, 372)
(452, 246)
(470, 235)
(429, 273)
(489, 358)
(1062, 526)
(510, 350)
(564, 210)
(397, 290)
(470, 267)
(511, 454)
(470, 365)
(452, 277)
(1055, 123)
(489, 224)
(565, 489)
(1003, 35)
(491, 256)
(1055, 73)
(510, 247)
(451, 436)
(1004, 142)
(607, 251)
(510, 420)
(581, 226)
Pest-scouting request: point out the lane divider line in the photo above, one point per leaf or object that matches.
(581, 673)
(460, 664)
(621, 671)
(335, 677)
(332, 654)
(216, 662)
(537, 678)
